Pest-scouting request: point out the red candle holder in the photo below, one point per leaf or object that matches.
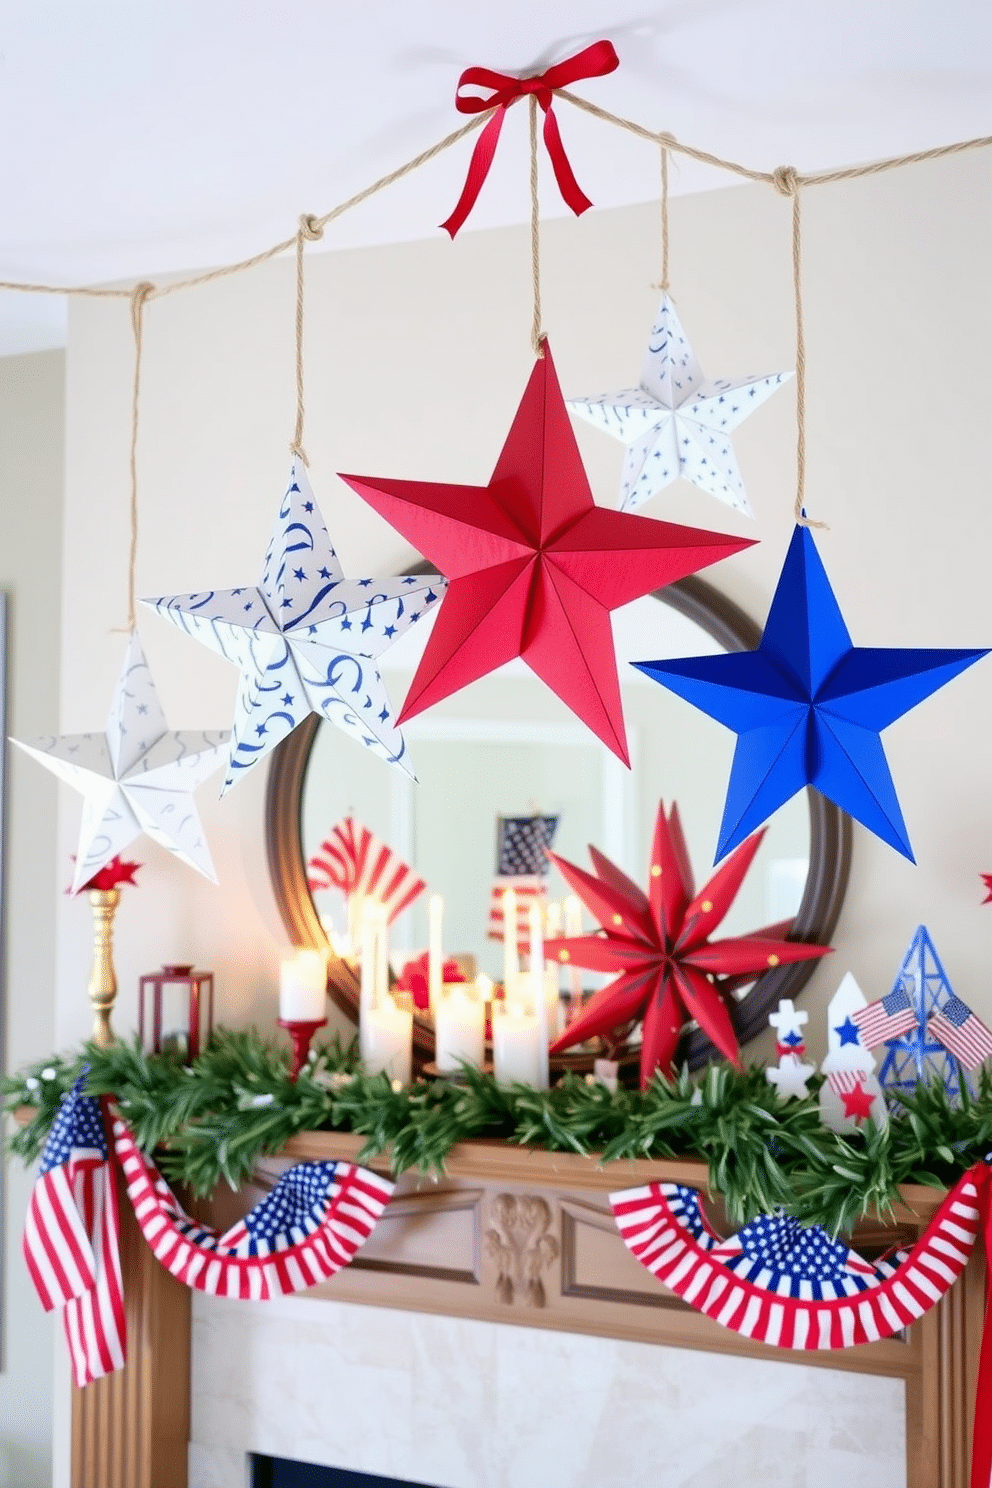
(300, 1032)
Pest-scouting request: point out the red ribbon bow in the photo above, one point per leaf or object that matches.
(414, 978)
(594, 61)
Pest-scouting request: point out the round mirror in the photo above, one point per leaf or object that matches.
(506, 746)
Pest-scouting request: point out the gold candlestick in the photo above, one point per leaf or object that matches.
(102, 986)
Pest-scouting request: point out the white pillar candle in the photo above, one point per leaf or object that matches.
(459, 1030)
(516, 1045)
(366, 1001)
(521, 993)
(511, 963)
(303, 987)
(387, 1041)
(537, 985)
(367, 996)
(435, 951)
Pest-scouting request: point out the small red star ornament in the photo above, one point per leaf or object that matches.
(857, 1102)
(534, 566)
(987, 881)
(660, 945)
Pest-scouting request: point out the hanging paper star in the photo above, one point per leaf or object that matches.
(305, 638)
(677, 423)
(136, 777)
(660, 944)
(987, 881)
(534, 566)
(808, 707)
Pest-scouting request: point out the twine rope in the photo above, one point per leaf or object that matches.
(787, 183)
(309, 231)
(139, 295)
(663, 282)
(536, 332)
(657, 137)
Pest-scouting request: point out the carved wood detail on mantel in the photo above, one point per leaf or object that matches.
(510, 1234)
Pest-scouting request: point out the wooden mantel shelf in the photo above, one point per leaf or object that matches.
(512, 1235)
(508, 1163)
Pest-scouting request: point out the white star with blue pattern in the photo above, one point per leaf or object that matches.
(306, 638)
(677, 422)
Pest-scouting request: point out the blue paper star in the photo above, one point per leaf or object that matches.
(808, 706)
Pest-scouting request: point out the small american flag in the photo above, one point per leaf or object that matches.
(352, 859)
(521, 865)
(71, 1238)
(961, 1032)
(308, 1227)
(887, 1018)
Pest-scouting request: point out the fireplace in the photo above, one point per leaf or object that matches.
(280, 1472)
(433, 1359)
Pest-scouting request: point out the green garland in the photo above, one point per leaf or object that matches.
(213, 1119)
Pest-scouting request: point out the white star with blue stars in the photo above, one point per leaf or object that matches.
(677, 422)
(306, 638)
(136, 776)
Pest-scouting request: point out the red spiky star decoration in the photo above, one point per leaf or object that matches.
(659, 942)
(987, 881)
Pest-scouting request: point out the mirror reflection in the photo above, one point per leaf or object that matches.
(506, 746)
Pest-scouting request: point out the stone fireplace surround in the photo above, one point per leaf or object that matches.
(495, 1333)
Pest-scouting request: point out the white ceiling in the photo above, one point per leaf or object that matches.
(140, 137)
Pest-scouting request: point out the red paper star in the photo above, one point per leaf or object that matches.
(534, 566)
(857, 1102)
(987, 881)
(659, 943)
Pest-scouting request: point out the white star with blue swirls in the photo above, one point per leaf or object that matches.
(677, 422)
(306, 638)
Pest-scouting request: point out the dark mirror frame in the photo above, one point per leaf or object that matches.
(826, 882)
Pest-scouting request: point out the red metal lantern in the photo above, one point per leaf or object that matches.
(182, 1012)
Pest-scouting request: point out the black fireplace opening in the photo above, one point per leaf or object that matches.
(278, 1472)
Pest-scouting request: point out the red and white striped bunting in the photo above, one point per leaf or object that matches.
(874, 1303)
(202, 1258)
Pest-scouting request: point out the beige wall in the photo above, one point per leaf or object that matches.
(31, 429)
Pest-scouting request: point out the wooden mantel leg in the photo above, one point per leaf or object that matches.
(131, 1429)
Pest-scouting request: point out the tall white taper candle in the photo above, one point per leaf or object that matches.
(435, 950)
(537, 983)
(511, 962)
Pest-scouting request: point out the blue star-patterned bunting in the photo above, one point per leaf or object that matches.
(306, 638)
(808, 706)
(917, 1056)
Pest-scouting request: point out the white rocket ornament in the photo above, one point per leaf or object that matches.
(851, 1092)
